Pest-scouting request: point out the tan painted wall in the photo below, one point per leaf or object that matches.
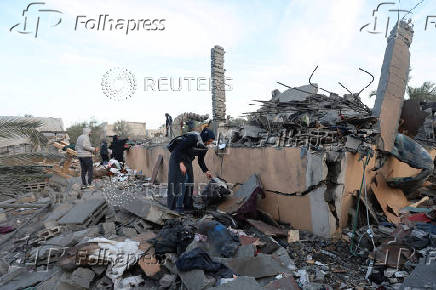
(281, 170)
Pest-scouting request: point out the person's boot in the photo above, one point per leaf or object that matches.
(83, 187)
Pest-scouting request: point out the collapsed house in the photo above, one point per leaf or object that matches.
(307, 148)
(314, 191)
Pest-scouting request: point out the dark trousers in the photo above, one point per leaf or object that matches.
(180, 186)
(87, 167)
(104, 158)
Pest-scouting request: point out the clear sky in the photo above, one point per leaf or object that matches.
(59, 73)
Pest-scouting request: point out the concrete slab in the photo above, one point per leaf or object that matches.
(196, 280)
(260, 266)
(423, 277)
(292, 95)
(285, 283)
(148, 210)
(244, 193)
(27, 279)
(240, 283)
(246, 251)
(84, 212)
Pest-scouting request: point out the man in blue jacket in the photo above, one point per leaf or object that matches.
(180, 173)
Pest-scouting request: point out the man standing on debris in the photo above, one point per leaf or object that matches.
(180, 174)
(104, 153)
(168, 124)
(118, 146)
(84, 152)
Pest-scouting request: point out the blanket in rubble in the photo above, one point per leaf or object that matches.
(173, 238)
(199, 259)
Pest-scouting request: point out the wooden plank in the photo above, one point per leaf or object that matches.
(156, 168)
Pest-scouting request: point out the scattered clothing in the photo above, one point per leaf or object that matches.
(6, 229)
(173, 238)
(222, 241)
(199, 259)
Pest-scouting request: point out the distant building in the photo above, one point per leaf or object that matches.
(159, 132)
(136, 130)
(52, 128)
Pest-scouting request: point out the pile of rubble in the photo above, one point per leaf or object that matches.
(120, 235)
(302, 117)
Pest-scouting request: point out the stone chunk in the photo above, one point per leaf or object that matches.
(82, 277)
(109, 229)
(129, 232)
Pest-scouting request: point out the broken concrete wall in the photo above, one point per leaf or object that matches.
(353, 171)
(310, 191)
(291, 177)
(392, 85)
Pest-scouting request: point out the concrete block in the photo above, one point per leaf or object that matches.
(109, 229)
(167, 280)
(82, 277)
(246, 251)
(128, 232)
(196, 280)
(3, 216)
(141, 226)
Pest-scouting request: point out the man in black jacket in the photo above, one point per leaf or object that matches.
(180, 173)
(117, 147)
(104, 153)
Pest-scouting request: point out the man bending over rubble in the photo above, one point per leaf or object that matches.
(180, 174)
(84, 152)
